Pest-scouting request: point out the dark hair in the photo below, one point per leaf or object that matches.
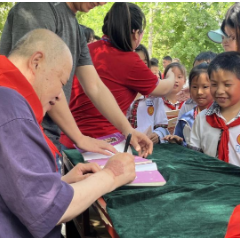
(89, 34)
(154, 62)
(168, 58)
(97, 37)
(205, 56)
(178, 65)
(227, 61)
(232, 19)
(223, 26)
(142, 48)
(197, 71)
(120, 22)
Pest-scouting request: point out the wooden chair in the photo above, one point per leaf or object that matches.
(172, 113)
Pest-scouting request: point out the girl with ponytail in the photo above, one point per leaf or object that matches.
(119, 68)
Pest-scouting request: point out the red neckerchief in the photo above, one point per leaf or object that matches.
(233, 229)
(217, 122)
(195, 112)
(170, 105)
(133, 115)
(12, 78)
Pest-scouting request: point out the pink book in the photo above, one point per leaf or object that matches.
(103, 161)
(148, 179)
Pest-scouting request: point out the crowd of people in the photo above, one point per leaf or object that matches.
(61, 85)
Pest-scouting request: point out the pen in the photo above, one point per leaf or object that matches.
(127, 142)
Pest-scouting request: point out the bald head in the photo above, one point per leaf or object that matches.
(40, 40)
(46, 63)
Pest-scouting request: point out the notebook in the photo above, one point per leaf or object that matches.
(147, 173)
(116, 139)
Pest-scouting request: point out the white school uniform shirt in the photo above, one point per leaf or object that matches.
(145, 119)
(206, 138)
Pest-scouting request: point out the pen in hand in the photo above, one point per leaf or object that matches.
(127, 142)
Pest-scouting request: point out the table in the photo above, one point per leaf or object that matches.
(197, 201)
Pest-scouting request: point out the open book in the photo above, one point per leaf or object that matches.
(147, 173)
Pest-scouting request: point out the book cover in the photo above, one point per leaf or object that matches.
(148, 179)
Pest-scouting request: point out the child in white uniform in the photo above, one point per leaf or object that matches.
(199, 84)
(147, 111)
(216, 131)
(170, 100)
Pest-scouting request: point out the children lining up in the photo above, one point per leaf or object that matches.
(215, 131)
(199, 84)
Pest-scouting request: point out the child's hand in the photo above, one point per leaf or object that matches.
(183, 95)
(173, 139)
(154, 138)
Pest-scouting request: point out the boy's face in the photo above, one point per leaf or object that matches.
(165, 63)
(225, 89)
(142, 56)
(155, 70)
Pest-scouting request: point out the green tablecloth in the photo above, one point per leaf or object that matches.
(197, 201)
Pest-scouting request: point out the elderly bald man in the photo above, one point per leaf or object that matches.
(60, 18)
(34, 200)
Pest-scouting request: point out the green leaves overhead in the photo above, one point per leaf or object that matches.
(178, 29)
(4, 9)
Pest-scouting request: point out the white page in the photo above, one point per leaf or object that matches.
(119, 147)
(146, 167)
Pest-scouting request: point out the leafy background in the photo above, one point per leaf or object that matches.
(178, 29)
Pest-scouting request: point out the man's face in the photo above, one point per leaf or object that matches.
(50, 79)
(165, 63)
(86, 6)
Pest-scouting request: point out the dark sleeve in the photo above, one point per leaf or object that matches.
(179, 129)
(140, 77)
(28, 186)
(24, 17)
(84, 58)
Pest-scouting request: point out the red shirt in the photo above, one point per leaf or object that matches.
(12, 78)
(124, 73)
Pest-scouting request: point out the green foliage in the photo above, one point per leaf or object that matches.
(178, 29)
(4, 9)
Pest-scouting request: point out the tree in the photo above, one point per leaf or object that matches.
(178, 29)
(4, 9)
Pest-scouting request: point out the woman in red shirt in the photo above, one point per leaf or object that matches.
(120, 69)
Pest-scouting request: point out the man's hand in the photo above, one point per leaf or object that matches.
(141, 143)
(154, 138)
(80, 172)
(122, 168)
(94, 145)
(173, 139)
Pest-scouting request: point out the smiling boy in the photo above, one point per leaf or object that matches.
(216, 131)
